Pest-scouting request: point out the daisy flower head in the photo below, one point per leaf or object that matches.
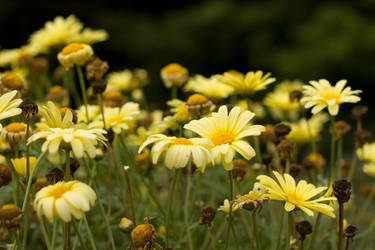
(246, 84)
(179, 150)
(321, 94)
(299, 195)
(75, 54)
(52, 118)
(210, 87)
(254, 198)
(225, 132)
(9, 105)
(64, 200)
(174, 74)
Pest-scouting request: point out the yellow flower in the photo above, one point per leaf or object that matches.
(75, 54)
(279, 103)
(118, 119)
(126, 80)
(90, 36)
(226, 207)
(52, 117)
(179, 150)
(255, 196)
(9, 107)
(367, 152)
(210, 87)
(246, 84)
(225, 133)
(322, 94)
(64, 200)
(299, 195)
(174, 74)
(19, 165)
(93, 110)
(11, 56)
(256, 107)
(369, 168)
(304, 132)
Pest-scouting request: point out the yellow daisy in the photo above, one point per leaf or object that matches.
(179, 150)
(210, 87)
(246, 84)
(299, 195)
(9, 106)
(90, 36)
(51, 118)
(19, 165)
(226, 207)
(322, 94)
(367, 152)
(64, 200)
(75, 54)
(225, 133)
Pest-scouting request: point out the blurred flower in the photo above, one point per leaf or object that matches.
(369, 168)
(90, 36)
(210, 87)
(253, 199)
(12, 56)
(322, 94)
(225, 132)
(246, 84)
(9, 107)
(226, 207)
(75, 54)
(126, 80)
(305, 131)
(174, 74)
(59, 95)
(296, 195)
(64, 200)
(11, 81)
(179, 150)
(278, 101)
(126, 225)
(367, 152)
(20, 165)
(93, 111)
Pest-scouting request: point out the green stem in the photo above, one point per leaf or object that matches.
(315, 231)
(257, 149)
(83, 89)
(26, 214)
(67, 165)
(100, 103)
(91, 239)
(174, 92)
(339, 157)
(341, 226)
(44, 231)
(257, 242)
(213, 238)
(78, 233)
(170, 201)
(332, 161)
(55, 225)
(367, 202)
(186, 206)
(230, 176)
(289, 231)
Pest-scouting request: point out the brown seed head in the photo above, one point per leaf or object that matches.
(5, 175)
(350, 231)
(304, 228)
(10, 216)
(98, 86)
(341, 129)
(29, 109)
(363, 136)
(96, 68)
(295, 169)
(54, 175)
(285, 149)
(359, 111)
(342, 190)
(295, 95)
(239, 169)
(281, 130)
(207, 215)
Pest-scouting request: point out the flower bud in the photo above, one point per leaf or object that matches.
(174, 74)
(126, 225)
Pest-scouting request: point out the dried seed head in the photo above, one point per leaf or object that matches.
(281, 130)
(285, 149)
(342, 190)
(267, 159)
(5, 175)
(341, 129)
(144, 236)
(126, 225)
(54, 175)
(359, 111)
(295, 95)
(295, 169)
(10, 216)
(40, 183)
(98, 86)
(304, 228)
(269, 134)
(239, 169)
(29, 109)
(207, 215)
(350, 231)
(110, 135)
(96, 68)
(363, 136)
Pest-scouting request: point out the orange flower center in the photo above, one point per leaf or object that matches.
(16, 127)
(234, 72)
(331, 95)
(292, 197)
(196, 99)
(12, 81)
(71, 48)
(222, 138)
(182, 141)
(58, 191)
(174, 68)
(114, 96)
(56, 90)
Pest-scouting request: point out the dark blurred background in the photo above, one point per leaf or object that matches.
(292, 39)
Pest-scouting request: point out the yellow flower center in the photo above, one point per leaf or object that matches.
(58, 191)
(116, 119)
(56, 90)
(292, 197)
(222, 138)
(234, 72)
(196, 99)
(316, 158)
(16, 127)
(12, 81)
(9, 207)
(9, 211)
(182, 141)
(174, 68)
(71, 48)
(330, 95)
(114, 96)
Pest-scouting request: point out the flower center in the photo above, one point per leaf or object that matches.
(16, 127)
(12, 81)
(330, 95)
(222, 138)
(56, 90)
(58, 191)
(114, 96)
(182, 141)
(113, 120)
(292, 197)
(234, 73)
(71, 48)
(9, 211)
(196, 99)
(173, 68)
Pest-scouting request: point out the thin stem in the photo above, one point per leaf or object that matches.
(289, 231)
(280, 229)
(44, 232)
(55, 224)
(341, 226)
(332, 160)
(255, 231)
(315, 230)
(67, 165)
(78, 233)
(213, 238)
(174, 92)
(302, 240)
(26, 214)
(170, 201)
(83, 89)
(339, 157)
(230, 176)
(130, 190)
(347, 243)
(91, 239)
(186, 206)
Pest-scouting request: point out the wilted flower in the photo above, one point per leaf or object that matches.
(126, 225)
(5, 175)
(144, 236)
(253, 199)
